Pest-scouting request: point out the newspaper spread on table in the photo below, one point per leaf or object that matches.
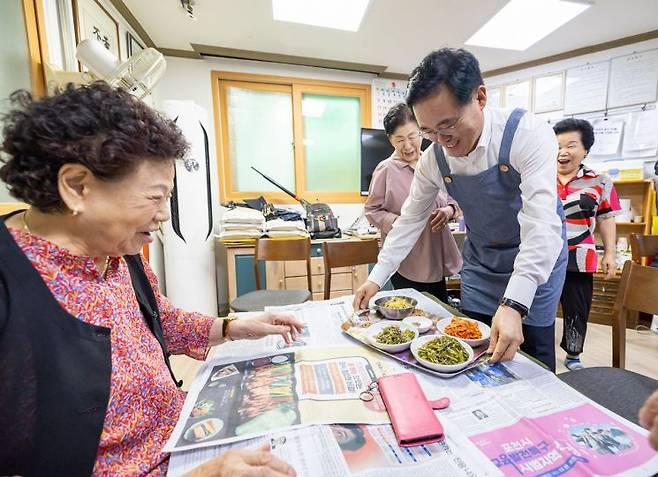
(234, 400)
(511, 419)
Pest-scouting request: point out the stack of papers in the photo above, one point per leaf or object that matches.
(285, 228)
(241, 223)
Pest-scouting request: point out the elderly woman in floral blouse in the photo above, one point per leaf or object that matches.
(84, 332)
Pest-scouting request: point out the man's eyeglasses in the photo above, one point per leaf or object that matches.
(449, 130)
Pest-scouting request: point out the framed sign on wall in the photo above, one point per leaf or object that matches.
(132, 45)
(92, 21)
(549, 92)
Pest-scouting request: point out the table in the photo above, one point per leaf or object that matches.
(619, 390)
(502, 418)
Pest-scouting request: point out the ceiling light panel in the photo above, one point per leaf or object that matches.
(522, 23)
(337, 14)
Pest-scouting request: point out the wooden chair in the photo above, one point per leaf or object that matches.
(346, 254)
(276, 250)
(643, 246)
(638, 292)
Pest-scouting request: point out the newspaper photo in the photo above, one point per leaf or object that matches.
(577, 441)
(373, 451)
(231, 401)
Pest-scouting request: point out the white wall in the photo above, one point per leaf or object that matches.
(507, 78)
(189, 79)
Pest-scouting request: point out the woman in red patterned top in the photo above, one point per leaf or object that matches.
(590, 201)
(96, 167)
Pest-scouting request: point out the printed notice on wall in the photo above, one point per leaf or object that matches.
(586, 88)
(641, 135)
(607, 136)
(633, 79)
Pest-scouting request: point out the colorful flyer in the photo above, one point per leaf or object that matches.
(577, 442)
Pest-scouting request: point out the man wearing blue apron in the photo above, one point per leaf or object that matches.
(500, 167)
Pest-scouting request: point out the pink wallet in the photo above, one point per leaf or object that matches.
(412, 416)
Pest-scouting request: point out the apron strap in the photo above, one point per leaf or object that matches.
(508, 135)
(441, 160)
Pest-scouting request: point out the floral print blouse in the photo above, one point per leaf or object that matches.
(144, 401)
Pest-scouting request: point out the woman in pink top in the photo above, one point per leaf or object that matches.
(435, 254)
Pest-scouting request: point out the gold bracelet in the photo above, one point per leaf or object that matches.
(225, 323)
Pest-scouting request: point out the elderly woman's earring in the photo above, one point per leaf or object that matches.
(75, 212)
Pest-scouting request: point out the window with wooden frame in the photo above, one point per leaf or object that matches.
(22, 53)
(303, 133)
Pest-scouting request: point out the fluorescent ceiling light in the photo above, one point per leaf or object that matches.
(338, 14)
(522, 23)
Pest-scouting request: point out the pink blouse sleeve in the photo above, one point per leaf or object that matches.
(374, 208)
(185, 332)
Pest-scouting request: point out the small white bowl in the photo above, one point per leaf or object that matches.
(420, 322)
(484, 329)
(442, 368)
(376, 328)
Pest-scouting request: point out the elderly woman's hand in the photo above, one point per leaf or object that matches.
(283, 324)
(440, 217)
(244, 463)
(649, 418)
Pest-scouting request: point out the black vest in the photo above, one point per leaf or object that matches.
(54, 371)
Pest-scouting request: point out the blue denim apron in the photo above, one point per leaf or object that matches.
(491, 201)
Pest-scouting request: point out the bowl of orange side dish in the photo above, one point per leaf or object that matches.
(473, 332)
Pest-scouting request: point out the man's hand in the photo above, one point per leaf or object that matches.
(364, 294)
(440, 217)
(506, 334)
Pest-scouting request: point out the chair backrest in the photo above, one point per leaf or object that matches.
(346, 253)
(282, 249)
(638, 291)
(643, 246)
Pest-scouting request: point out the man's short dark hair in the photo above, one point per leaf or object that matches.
(455, 69)
(397, 116)
(583, 127)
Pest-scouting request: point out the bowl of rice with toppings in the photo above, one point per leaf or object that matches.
(395, 307)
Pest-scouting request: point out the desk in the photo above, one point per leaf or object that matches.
(291, 274)
(501, 417)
